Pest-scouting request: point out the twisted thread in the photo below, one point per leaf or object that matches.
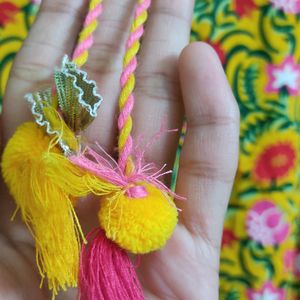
(85, 40)
(126, 100)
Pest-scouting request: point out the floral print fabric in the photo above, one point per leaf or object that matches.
(16, 17)
(258, 42)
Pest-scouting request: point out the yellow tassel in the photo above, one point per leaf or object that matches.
(139, 225)
(42, 182)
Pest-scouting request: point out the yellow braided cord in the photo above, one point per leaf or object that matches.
(133, 46)
(85, 39)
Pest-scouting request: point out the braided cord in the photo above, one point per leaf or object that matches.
(85, 40)
(126, 100)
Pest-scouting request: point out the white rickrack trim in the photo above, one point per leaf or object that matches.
(39, 118)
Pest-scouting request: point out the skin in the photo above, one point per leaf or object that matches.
(173, 79)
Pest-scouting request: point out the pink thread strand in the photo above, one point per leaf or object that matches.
(128, 71)
(93, 14)
(86, 44)
(124, 113)
(135, 36)
(142, 7)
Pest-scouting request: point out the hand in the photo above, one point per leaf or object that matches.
(170, 80)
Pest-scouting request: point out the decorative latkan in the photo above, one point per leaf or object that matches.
(41, 178)
(47, 166)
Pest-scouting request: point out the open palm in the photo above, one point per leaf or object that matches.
(171, 82)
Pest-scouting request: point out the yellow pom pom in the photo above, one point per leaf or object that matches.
(139, 225)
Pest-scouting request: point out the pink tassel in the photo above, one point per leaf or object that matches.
(106, 272)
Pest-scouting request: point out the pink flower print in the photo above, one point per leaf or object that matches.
(265, 224)
(288, 6)
(287, 74)
(267, 292)
(292, 261)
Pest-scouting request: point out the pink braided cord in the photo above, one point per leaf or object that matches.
(86, 40)
(129, 70)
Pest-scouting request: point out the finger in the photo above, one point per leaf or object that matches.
(209, 157)
(53, 34)
(157, 93)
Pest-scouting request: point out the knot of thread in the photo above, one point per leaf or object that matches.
(137, 191)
